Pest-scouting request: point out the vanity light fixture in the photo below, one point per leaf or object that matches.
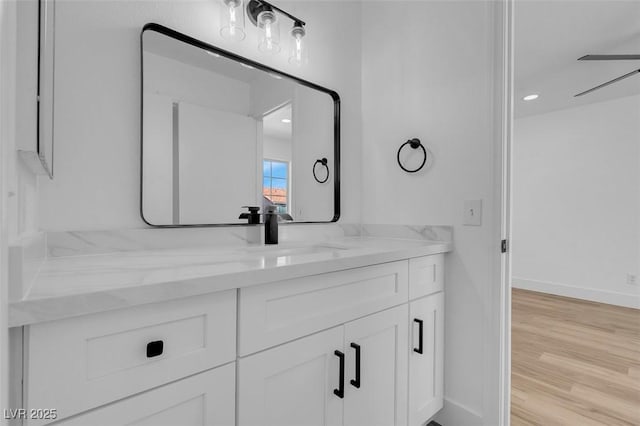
(232, 20)
(298, 54)
(530, 97)
(266, 17)
(286, 120)
(270, 39)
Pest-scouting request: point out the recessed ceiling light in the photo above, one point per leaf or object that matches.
(286, 120)
(530, 97)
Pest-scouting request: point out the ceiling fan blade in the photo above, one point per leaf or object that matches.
(609, 57)
(622, 77)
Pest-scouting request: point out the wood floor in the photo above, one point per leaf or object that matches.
(573, 362)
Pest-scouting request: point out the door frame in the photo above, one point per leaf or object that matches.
(503, 204)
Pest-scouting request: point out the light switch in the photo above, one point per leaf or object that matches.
(473, 212)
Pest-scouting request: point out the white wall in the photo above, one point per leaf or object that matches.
(276, 148)
(427, 72)
(576, 201)
(157, 164)
(216, 179)
(97, 119)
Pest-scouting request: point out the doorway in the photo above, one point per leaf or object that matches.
(575, 213)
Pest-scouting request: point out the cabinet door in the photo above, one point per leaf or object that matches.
(378, 394)
(206, 399)
(293, 384)
(426, 359)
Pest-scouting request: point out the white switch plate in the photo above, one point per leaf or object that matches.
(473, 212)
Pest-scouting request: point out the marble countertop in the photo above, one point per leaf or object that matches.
(77, 285)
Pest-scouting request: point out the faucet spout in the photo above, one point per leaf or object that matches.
(271, 224)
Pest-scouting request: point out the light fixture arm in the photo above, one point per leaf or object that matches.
(254, 7)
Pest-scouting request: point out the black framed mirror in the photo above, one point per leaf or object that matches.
(219, 132)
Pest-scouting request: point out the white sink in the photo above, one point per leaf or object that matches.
(291, 250)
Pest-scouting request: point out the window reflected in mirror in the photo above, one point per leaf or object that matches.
(275, 188)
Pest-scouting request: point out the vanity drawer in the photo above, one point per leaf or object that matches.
(80, 363)
(272, 314)
(206, 399)
(426, 275)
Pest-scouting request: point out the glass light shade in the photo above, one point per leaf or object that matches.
(270, 39)
(232, 20)
(299, 53)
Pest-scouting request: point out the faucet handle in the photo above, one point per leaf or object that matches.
(253, 215)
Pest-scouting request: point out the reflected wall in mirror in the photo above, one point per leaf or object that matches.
(220, 132)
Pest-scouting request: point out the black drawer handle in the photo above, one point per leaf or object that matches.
(420, 332)
(340, 391)
(356, 382)
(155, 348)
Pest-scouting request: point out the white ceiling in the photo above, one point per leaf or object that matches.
(177, 50)
(273, 126)
(551, 35)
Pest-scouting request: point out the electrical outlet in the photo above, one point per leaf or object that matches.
(632, 279)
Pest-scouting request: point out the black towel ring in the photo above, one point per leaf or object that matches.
(415, 144)
(324, 162)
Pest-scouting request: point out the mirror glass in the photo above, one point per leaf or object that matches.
(220, 132)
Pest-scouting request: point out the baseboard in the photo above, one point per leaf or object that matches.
(456, 414)
(609, 297)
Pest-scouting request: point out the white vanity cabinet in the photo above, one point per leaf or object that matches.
(357, 347)
(366, 313)
(356, 372)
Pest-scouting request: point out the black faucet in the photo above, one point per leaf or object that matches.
(270, 221)
(271, 224)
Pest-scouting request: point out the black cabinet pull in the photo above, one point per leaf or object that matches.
(420, 332)
(340, 391)
(155, 348)
(356, 382)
